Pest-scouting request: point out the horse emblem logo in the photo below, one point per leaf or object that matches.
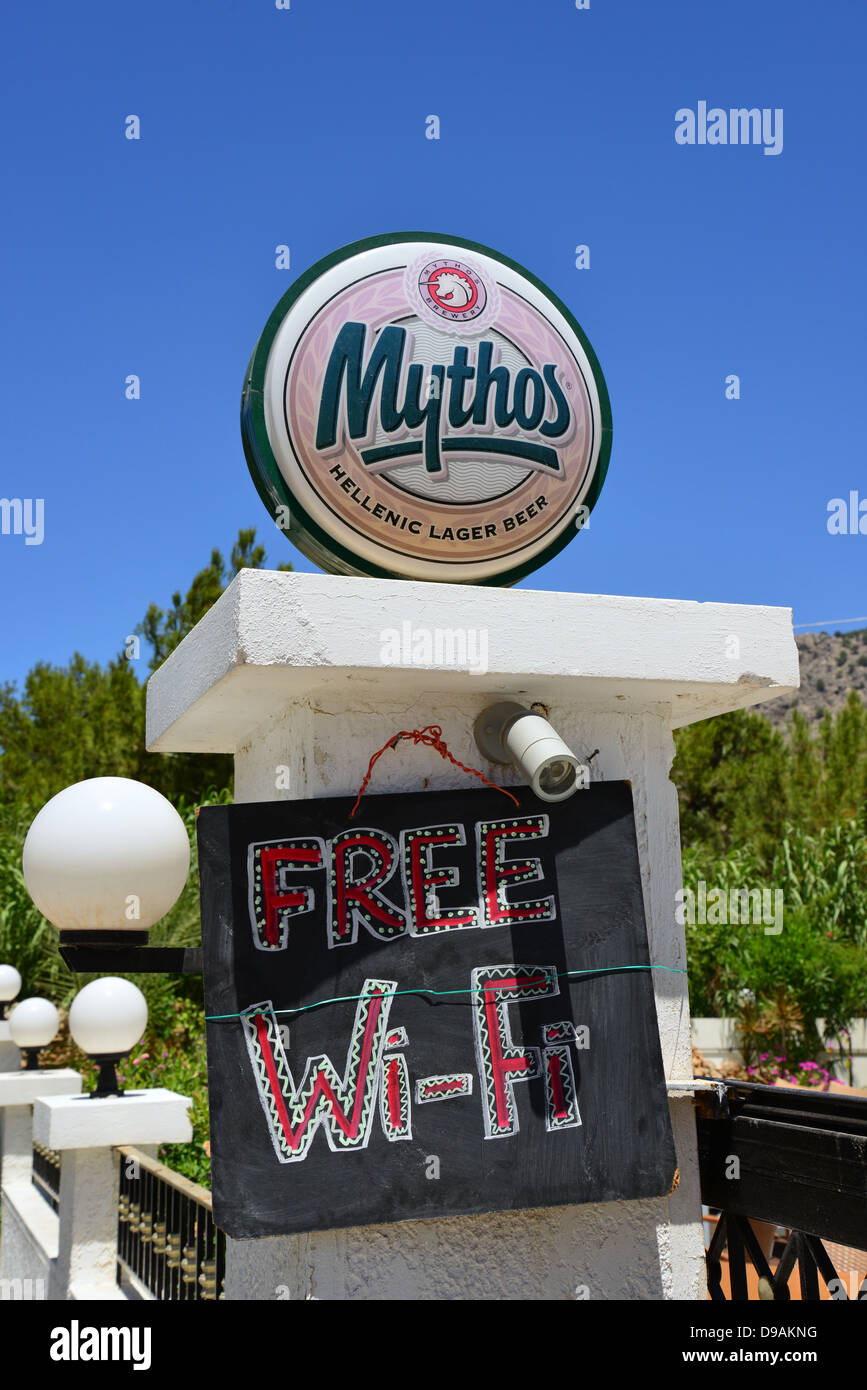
(453, 292)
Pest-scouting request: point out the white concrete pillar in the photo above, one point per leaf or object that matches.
(87, 1255)
(10, 1060)
(29, 1230)
(17, 1144)
(18, 1093)
(86, 1131)
(286, 672)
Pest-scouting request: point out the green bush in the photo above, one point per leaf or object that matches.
(777, 985)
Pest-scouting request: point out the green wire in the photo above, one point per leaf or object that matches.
(393, 993)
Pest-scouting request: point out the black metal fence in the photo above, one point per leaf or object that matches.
(793, 1163)
(46, 1174)
(167, 1242)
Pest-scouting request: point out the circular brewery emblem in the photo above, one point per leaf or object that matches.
(448, 291)
(420, 407)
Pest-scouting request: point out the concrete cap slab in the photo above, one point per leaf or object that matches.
(276, 638)
(25, 1087)
(154, 1116)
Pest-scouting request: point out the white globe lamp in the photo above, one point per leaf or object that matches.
(10, 986)
(33, 1025)
(108, 1017)
(105, 859)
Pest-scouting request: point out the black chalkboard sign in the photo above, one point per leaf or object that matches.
(412, 1042)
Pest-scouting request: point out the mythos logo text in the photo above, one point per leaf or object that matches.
(420, 407)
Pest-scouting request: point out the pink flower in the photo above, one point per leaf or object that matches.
(143, 1057)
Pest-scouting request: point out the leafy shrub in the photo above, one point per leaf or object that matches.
(777, 985)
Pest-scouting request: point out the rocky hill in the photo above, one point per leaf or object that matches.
(831, 666)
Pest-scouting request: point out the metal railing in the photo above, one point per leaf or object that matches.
(46, 1174)
(167, 1242)
(786, 1171)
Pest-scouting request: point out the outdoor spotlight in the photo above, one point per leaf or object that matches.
(10, 984)
(33, 1024)
(107, 1019)
(509, 733)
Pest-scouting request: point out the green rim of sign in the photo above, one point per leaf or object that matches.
(303, 531)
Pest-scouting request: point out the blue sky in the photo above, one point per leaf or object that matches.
(262, 126)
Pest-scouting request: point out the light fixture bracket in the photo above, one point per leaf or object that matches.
(99, 953)
(490, 727)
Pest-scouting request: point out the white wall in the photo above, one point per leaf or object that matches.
(29, 1233)
(716, 1039)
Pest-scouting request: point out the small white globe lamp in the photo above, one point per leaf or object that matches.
(10, 985)
(33, 1024)
(108, 856)
(107, 1019)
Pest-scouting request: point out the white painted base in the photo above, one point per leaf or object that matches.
(25, 1087)
(139, 1117)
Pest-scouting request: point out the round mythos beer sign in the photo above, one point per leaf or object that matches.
(421, 407)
